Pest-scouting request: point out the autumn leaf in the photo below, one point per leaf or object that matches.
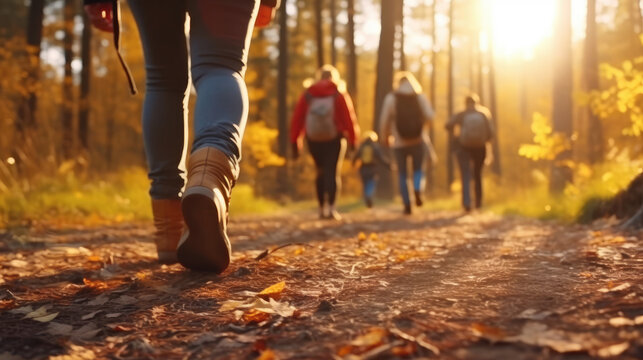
(94, 258)
(255, 316)
(373, 338)
(405, 350)
(267, 355)
(95, 284)
(361, 236)
(488, 332)
(273, 291)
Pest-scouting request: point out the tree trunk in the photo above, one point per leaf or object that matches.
(450, 146)
(562, 92)
(68, 85)
(333, 32)
(430, 176)
(400, 27)
(434, 54)
(282, 81)
(384, 82)
(26, 119)
(85, 78)
(493, 107)
(351, 60)
(319, 33)
(594, 126)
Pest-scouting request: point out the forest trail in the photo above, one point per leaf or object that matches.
(376, 285)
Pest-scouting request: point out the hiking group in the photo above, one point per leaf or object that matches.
(191, 213)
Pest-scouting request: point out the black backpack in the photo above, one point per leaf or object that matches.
(409, 118)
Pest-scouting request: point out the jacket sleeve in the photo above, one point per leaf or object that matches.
(385, 122)
(271, 3)
(298, 119)
(346, 118)
(456, 120)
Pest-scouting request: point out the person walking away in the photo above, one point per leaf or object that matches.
(472, 129)
(325, 115)
(370, 156)
(406, 115)
(219, 38)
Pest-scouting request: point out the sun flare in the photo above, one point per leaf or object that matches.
(518, 26)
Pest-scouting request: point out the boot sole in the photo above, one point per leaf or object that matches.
(206, 247)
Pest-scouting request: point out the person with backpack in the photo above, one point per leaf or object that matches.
(369, 156)
(472, 130)
(219, 37)
(325, 115)
(406, 114)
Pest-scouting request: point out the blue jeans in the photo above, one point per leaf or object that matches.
(416, 153)
(368, 173)
(471, 159)
(220, 33)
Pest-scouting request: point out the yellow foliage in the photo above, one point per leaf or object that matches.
(547, 143)
(258, 141)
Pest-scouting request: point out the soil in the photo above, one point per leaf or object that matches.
(376, 285)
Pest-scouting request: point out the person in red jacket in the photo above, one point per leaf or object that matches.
(325, 115)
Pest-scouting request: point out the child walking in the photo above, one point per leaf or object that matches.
(370, 156)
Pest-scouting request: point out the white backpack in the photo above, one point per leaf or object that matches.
(474, 130)
(320, 119)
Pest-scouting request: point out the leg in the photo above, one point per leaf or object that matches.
(417, 156)
(161, 27)
(220, 33)
(334, 159)
(317, 151)
(401, 154)
(478, 163)
(464, 161)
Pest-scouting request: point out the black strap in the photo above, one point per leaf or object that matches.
(116, 18)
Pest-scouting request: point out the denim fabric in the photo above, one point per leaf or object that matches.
(328, 157)
(416, 153)
(220, 32)
(368, 175)
(471, 159)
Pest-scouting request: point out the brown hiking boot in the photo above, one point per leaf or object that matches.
(168, 222)
(205, 245)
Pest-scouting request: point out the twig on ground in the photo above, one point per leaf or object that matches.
(418, 340)
(268, 252)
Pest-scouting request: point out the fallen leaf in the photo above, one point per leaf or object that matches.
(126, 300)
(91, 315)
(18, 263)
(613, 350)
(255, 316)
(41, 311)
(361, 236)
(86, 332)
(611, 287)
(273, 291)
(95, 284)
(539, 335)
(76, 353)
(621, 321)
(372, 237)
(230, 305)
(113, 315)
(100, 300)
(488, 332)
(22, 310)
(405, 350)
(59, 329)
(373, 337)
(267, 355)
(46, 318)
(119, 328)
(533, 314)
(94, 258)
(586, 275)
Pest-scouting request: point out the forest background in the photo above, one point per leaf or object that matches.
(564, 80)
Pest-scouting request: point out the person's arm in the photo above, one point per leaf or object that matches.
(457, 119)
(347, 118)
(297, 123)
(385, 119)
(381, 156)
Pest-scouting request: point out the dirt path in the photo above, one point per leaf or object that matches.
(374, 286)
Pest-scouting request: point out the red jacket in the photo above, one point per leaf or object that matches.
(345, 118)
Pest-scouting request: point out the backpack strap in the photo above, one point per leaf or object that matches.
(116, 18)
